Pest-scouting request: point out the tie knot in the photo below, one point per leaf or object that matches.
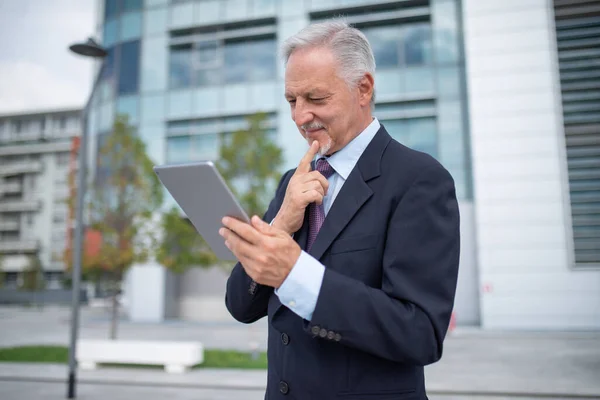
(324, 168)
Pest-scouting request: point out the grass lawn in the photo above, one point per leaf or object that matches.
(60, 354)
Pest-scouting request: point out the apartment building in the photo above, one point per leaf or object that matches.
(35, 159)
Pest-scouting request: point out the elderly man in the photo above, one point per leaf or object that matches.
(355, 261)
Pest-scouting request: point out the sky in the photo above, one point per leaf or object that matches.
(37, 70)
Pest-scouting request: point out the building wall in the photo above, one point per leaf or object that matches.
(431, 90)
(525, 258)
(36, 139)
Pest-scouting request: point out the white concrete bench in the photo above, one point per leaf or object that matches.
(177, 357)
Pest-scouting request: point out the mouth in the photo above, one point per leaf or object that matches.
(312, 132)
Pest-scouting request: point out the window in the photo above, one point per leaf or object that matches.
(113, 8)
(180, 68)
(62, 159)
(417, 133)
(121, 68)
(400, 45)
(201, 139)
(111, 32)
(129, 66)
(131, 26)
(223, 58)
(578, 35)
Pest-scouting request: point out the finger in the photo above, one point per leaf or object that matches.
(314, 185)
(304, 165)
(242, 229)
(240, 248)
(312, 196)
(317, 176)
(262, 227)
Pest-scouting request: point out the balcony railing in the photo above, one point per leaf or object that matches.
(17, 168)
(8, 226)
(34, 148)
(19, 246)
(10, 188)
(20, 205)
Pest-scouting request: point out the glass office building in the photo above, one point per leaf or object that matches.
(187, 72)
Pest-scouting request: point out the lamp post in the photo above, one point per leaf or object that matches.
(93, 50)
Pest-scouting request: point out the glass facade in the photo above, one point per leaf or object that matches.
(187, 72)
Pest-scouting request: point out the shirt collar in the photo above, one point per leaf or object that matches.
(344, 160)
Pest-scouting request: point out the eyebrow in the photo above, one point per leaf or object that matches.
(310, 93)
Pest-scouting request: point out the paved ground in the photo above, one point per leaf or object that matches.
(53, 391)
(476, 364)
(51, 326)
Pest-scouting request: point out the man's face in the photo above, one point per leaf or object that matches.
(323, 107)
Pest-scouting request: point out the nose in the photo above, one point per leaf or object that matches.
(302, 113)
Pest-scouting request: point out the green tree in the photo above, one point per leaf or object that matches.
(125, 194)
(250, 163)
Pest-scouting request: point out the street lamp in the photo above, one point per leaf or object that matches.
(94, 50)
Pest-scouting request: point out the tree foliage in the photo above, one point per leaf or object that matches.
(125, 194)
(250, 162)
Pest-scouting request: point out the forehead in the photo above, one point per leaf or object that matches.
(312, 69)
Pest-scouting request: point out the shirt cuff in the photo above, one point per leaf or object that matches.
(300, 290)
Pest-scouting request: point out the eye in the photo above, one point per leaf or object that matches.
(317, 100)
(291, 101)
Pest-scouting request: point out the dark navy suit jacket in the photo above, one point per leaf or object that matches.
(390, 245)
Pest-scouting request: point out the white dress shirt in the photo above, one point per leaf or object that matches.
(300, 290)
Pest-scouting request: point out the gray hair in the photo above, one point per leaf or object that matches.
(349, 46)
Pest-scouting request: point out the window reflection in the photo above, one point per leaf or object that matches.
(262, 59)
(111, 30)
(445, 32)
(417, 133)
(201, 139)
(131, 26)
(400, 45)
(110, 9)
(180, 67)
(385, 42)
(178, 149)
(205, 147)
(215, 62)
(115, 7)
(235, 57)
(128, 106)
(417, 44)
(129, 67)
(131, 5)
(423, 135)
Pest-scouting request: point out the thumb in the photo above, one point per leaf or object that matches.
(262, 226)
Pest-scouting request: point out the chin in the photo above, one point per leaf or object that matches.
(324, 149)
(325, 145)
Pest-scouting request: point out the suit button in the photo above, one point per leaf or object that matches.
(337, 337)
(330, 335)
(284, 387)
(323, 333)
(285, 339)
(315, 330)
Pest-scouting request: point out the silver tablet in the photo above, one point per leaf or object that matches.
(202, 193)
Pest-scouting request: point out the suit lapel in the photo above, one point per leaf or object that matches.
(349, 200)
(353, 194)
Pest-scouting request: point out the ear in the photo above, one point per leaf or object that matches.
(365, 89)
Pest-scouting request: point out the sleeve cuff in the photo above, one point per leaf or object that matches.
(300, 290)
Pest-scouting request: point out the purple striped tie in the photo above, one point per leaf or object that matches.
(316, 213)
